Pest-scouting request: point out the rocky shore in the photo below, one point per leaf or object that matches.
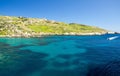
(27, 35)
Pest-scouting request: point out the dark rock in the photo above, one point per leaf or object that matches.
(16, 62)
(109, 69)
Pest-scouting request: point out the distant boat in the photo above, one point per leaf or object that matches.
(112, 38)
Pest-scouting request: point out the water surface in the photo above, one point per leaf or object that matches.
(60, 56)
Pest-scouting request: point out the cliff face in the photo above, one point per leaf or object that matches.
(22, 26)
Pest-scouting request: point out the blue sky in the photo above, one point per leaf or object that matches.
(101, 13)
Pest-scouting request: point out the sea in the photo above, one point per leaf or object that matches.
(60, 56)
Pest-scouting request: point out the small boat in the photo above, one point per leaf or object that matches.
(112, 38)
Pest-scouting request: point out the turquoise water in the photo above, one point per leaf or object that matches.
(60, 56)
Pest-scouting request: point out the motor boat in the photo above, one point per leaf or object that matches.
(112, 38)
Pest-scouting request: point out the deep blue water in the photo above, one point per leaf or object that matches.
(60, 56)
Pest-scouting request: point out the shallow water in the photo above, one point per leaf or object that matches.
(60, 56)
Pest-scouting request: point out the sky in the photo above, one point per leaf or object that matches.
(100, 13)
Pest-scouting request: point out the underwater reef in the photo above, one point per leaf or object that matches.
(109, 69)
(15, 62)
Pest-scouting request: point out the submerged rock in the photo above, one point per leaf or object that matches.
(109, 69)
(15, 62)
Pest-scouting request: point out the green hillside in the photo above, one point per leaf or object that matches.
(34, 26)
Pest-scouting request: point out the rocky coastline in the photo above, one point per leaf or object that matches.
(37, 27)
(28, 35)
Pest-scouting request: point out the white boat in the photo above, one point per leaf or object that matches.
(112, 38)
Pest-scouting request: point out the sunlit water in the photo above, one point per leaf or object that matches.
(60, 56)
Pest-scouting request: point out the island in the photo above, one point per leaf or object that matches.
(11, 26)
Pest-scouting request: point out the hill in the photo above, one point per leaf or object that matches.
(22, 26)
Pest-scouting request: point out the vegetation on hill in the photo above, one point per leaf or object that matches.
(34, 26)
